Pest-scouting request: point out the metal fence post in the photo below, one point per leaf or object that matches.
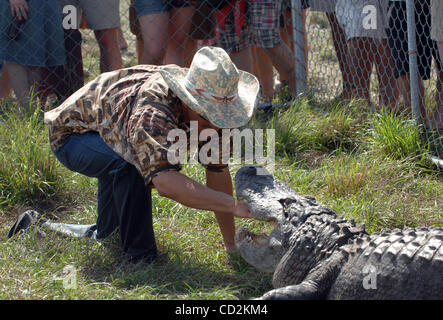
(299, 46)
(412, 51)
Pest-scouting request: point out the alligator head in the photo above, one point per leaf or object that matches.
(270, 200)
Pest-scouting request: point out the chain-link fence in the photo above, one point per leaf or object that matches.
(385, 52)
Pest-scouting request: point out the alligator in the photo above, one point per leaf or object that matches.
(314, 253)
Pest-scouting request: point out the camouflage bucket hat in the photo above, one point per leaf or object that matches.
(214, 88)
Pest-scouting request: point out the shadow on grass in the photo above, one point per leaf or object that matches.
(174, 274)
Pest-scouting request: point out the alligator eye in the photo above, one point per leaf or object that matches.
(286, 214)
(286, 202)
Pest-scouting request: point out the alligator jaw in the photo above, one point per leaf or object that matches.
(260, 250)
(263, 194)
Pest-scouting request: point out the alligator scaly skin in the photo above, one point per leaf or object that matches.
(326, 256)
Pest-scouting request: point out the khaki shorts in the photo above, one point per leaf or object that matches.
(355, 17)
(100, 14)
(437, 20)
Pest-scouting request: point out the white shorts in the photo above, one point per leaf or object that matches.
(363, 18)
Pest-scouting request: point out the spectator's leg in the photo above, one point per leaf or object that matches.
(18, 76)
(74, 63)
(179, 25)
(243, 59)
(191, 47)
(110, 56)
(155, 37)
(361, 60)
(5, 86)
(288, 38)
(122, 44)
(404, 89)
(134, 26)
(50, 81)
(286, 31)
(140, 47)
(265, 27)
(388, 91)
(264, 71)
(438, 114)
(62, 81)
(283, 60)
(339, 41)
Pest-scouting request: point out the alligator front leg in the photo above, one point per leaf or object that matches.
(307, 290)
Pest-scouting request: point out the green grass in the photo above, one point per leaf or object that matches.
(367, 167)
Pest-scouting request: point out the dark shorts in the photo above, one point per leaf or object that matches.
(144, 7)
(398, 39)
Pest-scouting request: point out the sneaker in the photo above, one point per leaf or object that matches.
(24, 221)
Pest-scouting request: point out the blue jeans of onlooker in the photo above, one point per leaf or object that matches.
(123, 200)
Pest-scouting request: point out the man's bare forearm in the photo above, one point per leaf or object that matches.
(178, 187)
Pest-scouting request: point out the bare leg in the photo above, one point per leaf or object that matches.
(155, 37)
(339, 41)
(385, 71)
(361, 60)
(140, 48)
(288, 38)
(283, 60)
(191, 47)
(404, 87)
(5, 87)
(438, 113)
(243, 60)
(34, 78)
(179, 25)
(18, 76)
(122, 44)
(110, 56)
(264, 71)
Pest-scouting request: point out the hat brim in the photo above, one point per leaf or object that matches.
(223, 115)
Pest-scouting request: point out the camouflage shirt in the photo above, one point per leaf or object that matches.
(132, 109)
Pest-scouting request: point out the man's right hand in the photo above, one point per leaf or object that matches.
(241, 210)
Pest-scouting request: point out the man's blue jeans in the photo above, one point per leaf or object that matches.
(123, 200)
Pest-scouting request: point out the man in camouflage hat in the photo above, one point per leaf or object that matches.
(115, 128)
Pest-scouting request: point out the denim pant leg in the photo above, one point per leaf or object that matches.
(123, 200)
